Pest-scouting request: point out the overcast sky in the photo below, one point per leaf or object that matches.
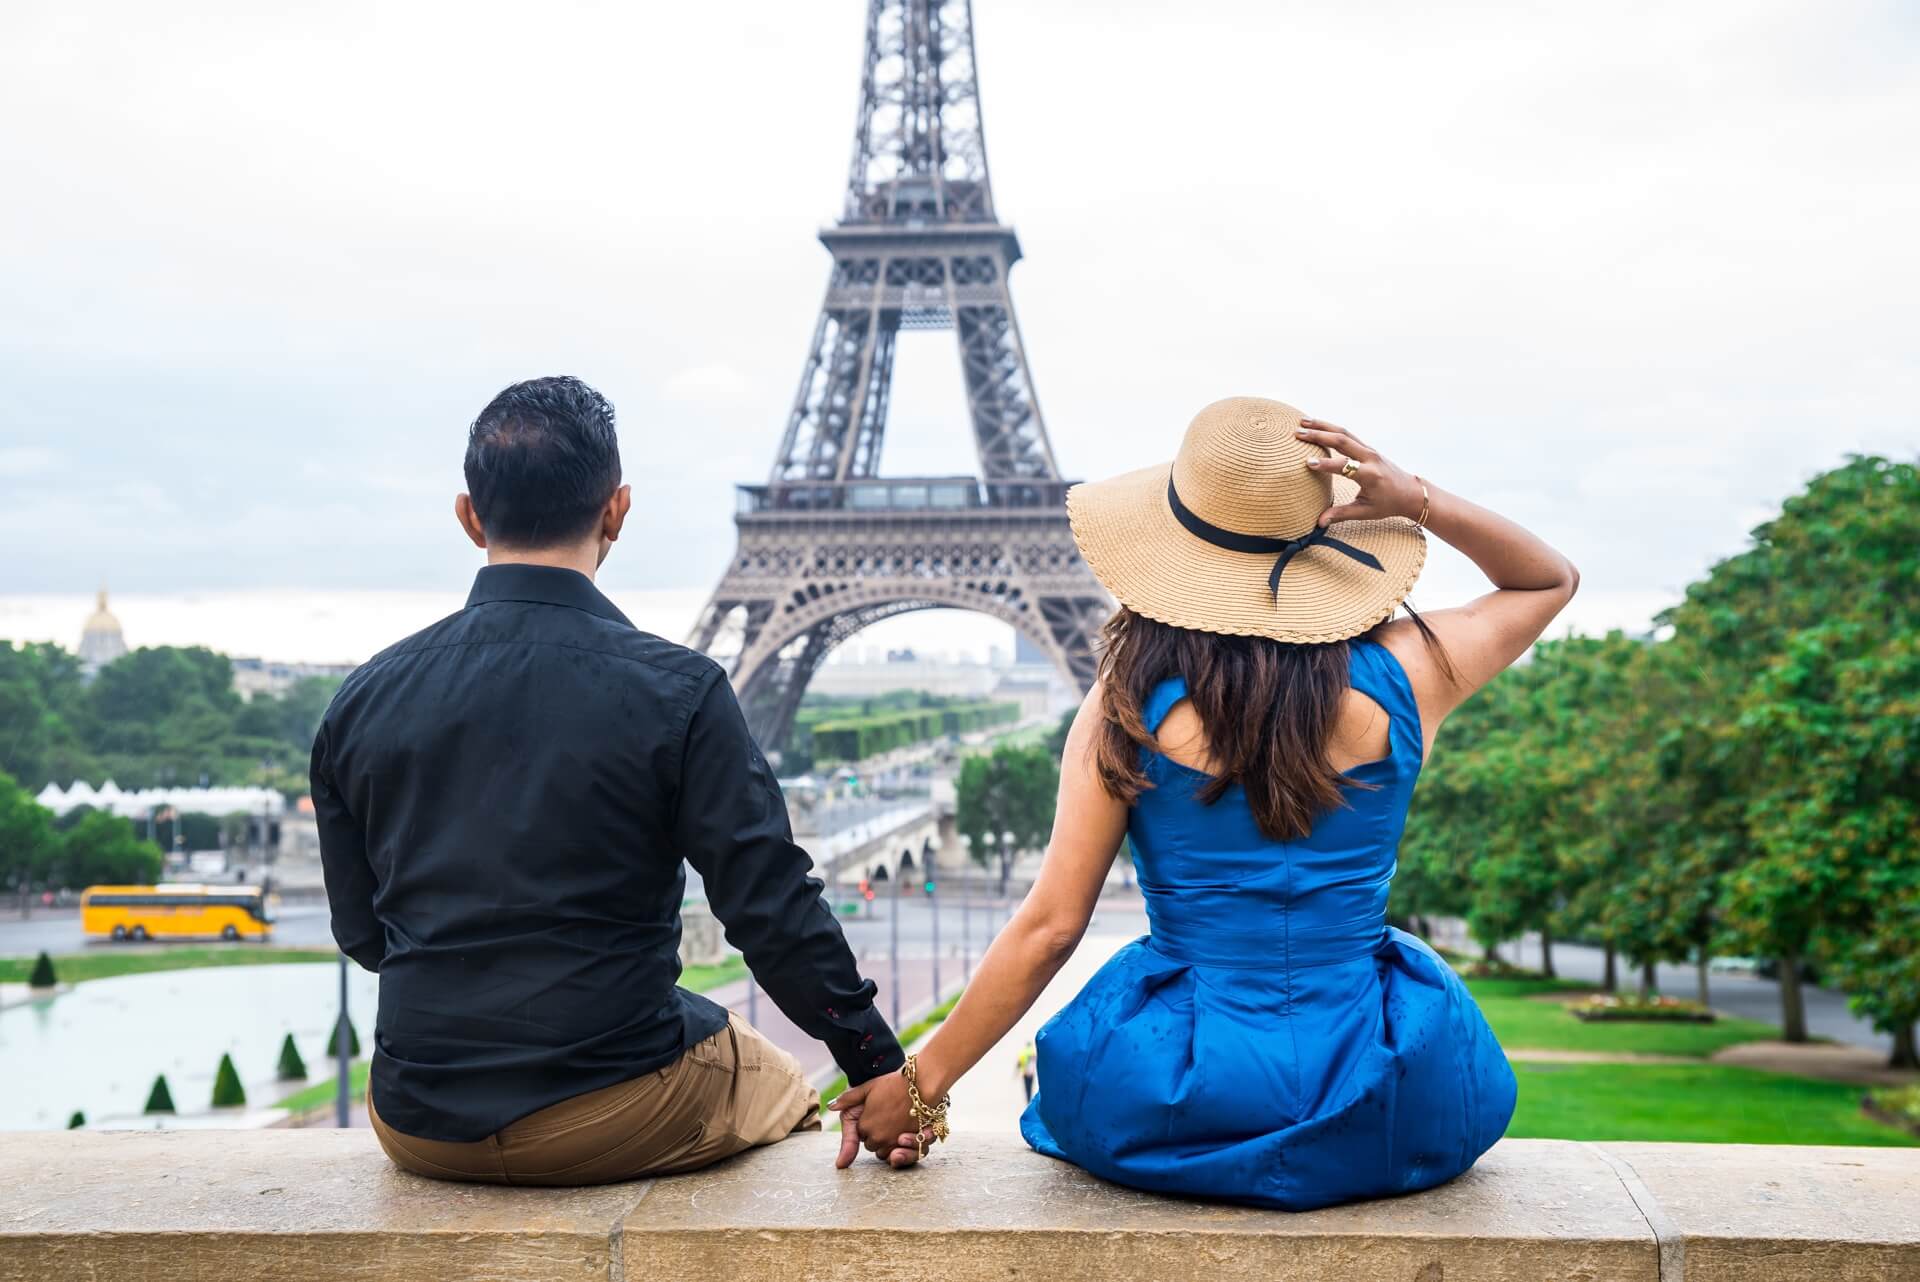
(1630, 273)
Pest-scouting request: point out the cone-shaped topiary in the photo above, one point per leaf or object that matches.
(42, 976)
(77, 1121)
(353, 1042)
(160, 1100)
(292, 1068)
(227, 1091)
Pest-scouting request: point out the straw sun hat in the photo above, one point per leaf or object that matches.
(1226, 537)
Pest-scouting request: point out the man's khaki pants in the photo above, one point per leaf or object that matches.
(732, 1092)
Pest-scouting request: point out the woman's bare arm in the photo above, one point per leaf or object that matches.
(1088, 824)
(1532, 582)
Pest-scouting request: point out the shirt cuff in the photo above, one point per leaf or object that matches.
(868, 1049)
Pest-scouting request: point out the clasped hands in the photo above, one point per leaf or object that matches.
(877, 1114)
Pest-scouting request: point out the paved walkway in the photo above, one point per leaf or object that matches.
(1540, 1055)
(1828, 1061)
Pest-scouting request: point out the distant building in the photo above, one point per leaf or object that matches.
(101, 641)
(955, 680)
(263, 676)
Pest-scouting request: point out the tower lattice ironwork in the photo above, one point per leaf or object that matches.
(828, 546)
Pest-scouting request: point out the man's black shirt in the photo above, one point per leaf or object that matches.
(504, 802)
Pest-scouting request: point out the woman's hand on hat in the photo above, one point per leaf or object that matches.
(1385, 489)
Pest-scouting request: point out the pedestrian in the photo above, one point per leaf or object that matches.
(1023, 1064)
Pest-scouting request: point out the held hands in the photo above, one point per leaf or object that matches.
(1385, 490)
(876, 1114)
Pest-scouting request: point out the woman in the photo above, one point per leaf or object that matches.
(1256, 730)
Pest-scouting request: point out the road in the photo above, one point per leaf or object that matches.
(869, 932)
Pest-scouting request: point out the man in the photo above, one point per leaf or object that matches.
(505, 801)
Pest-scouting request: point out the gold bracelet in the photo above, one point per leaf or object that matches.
(1426, 505)
(925, 1119)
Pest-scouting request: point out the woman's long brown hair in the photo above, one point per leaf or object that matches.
(1267, 709)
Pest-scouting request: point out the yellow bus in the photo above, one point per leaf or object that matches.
(177, 912)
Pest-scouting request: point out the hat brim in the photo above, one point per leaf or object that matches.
(1156, 567)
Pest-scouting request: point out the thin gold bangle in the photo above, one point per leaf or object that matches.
(1426, 505)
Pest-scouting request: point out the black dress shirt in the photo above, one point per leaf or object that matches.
(504, 802)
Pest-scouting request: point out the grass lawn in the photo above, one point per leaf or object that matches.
(321, 1093)
(141, 959)
(1523, 1022)
(699, 979)
(1706, 1103)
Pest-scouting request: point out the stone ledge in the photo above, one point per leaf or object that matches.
(322, 1205)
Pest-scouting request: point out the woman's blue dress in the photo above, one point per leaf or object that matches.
(1273, 1040)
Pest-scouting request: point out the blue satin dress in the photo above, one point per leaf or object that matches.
(1273, 1041)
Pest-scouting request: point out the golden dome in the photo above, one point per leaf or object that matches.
(101, 620)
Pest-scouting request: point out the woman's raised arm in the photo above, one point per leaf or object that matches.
(1532, 582)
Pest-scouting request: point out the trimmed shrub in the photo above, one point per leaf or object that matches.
(353, 1042)
(160, 1099)
(43, 976)
(227, 1091)
(77, 1121)
(291, 1068)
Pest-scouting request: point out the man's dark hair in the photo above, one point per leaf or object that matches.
(542, 461)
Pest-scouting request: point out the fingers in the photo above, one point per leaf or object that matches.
(1336, 438)
(906, 1151)
(849, 1141)
(1337, 465)
(852, 1097)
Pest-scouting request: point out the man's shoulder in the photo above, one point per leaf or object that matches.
(614, 638)
(629, 642)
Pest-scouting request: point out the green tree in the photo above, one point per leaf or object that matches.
(102, 849)
(28, 845)
(227, 1090)
(291, 1067)
(353, 1041)
(41, 705)
(1004, 803)
(1838, 814)
(77, 1121)
(1800, 732)
(159, 1099)
(42, 976)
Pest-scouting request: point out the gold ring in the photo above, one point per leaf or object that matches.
(1349, 467)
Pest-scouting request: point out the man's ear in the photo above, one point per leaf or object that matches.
(615, 515)
(469, 520)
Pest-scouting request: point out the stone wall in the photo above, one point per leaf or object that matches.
(322, 1205)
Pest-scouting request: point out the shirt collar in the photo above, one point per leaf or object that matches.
(543, 584)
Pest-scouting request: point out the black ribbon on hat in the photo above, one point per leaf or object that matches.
(1284, 549)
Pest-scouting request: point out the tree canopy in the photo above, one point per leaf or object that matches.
(1004, 802)
(1745, 779)
(161, 716)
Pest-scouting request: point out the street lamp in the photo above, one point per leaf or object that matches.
(343, 1054)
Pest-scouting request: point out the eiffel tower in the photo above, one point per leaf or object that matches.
(828, 545)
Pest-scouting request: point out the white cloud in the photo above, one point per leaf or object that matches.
(714, 385)
(27, 460)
